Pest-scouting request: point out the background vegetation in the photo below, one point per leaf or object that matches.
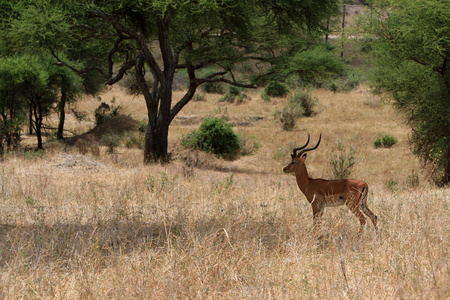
(97, 225)
(411, 68)
(86, 219)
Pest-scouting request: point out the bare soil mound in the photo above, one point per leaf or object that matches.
(67, 161)
(114, 125)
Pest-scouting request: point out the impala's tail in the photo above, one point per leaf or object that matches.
(365, 209)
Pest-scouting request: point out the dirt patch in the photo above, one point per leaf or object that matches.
(76, 161)
(114, 125)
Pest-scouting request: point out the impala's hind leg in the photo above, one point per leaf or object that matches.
(355, 210)
(365, 209)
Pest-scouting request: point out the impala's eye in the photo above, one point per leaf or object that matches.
(293, 162)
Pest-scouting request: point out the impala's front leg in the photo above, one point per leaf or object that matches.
(317, 213)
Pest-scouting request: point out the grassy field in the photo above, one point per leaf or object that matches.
(103, 226)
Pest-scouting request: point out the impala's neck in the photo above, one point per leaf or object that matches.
(301, 173)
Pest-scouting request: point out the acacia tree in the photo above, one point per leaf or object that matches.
(13, 80)
(412, 67)
(163, 37)
(32, 29)
(23, 85)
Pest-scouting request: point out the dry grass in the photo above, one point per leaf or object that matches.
(105, 227)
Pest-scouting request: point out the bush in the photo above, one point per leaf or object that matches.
(234, 94)
(347, 82)
(209, 86)
(289, 116)
(215, 136)
(386, 141)
(112, 141)
(305, 100)
(265, 97)
(33, 154)
(275, 89)
(199, 97)
(213, 88)
(392, 185)
(342, 161)
(300, 103)
(142, 126)
(134, 141)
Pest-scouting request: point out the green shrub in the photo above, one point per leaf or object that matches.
(215, 136)
(275, 89)
(346, 82)
(142, 126)
(234, 94)
(342, 161)
(112, 141)
(264, 96)
(135, 141)
(305, 100)
(199, 97)
(333, 87)
(33, 154)
(213, 88)
(289, 116)
(392, 185)
(386, 141)
(300, 103)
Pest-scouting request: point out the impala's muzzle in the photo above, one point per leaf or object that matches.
(287, 169)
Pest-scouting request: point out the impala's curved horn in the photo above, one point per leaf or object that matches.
(300, 148)
(309, 149)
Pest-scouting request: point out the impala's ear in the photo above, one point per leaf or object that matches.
(304, 156)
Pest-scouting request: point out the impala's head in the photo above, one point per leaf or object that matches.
(298, 159)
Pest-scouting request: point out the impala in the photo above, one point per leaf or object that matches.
(322, 193)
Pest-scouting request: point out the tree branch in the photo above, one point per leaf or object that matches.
(125, 67)
(77, 71)
(441, 70)
(149, 58)
(199, 81)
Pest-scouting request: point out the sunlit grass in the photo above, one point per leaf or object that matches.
(104, 226)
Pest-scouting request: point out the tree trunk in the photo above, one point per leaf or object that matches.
(447, 167)
(62, 115)
(30, 121)
(156, 144)
(39, 137)
(156, 136)
(1, 141)
(38, 117)
(343, 28)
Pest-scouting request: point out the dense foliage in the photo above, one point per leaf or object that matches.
(411, 66)
(108, 39)
(276, 89)
(215, 136)
(386, 141)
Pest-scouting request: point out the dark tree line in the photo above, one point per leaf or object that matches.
(204, 39)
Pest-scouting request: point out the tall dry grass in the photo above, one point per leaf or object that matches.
(105, 227)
